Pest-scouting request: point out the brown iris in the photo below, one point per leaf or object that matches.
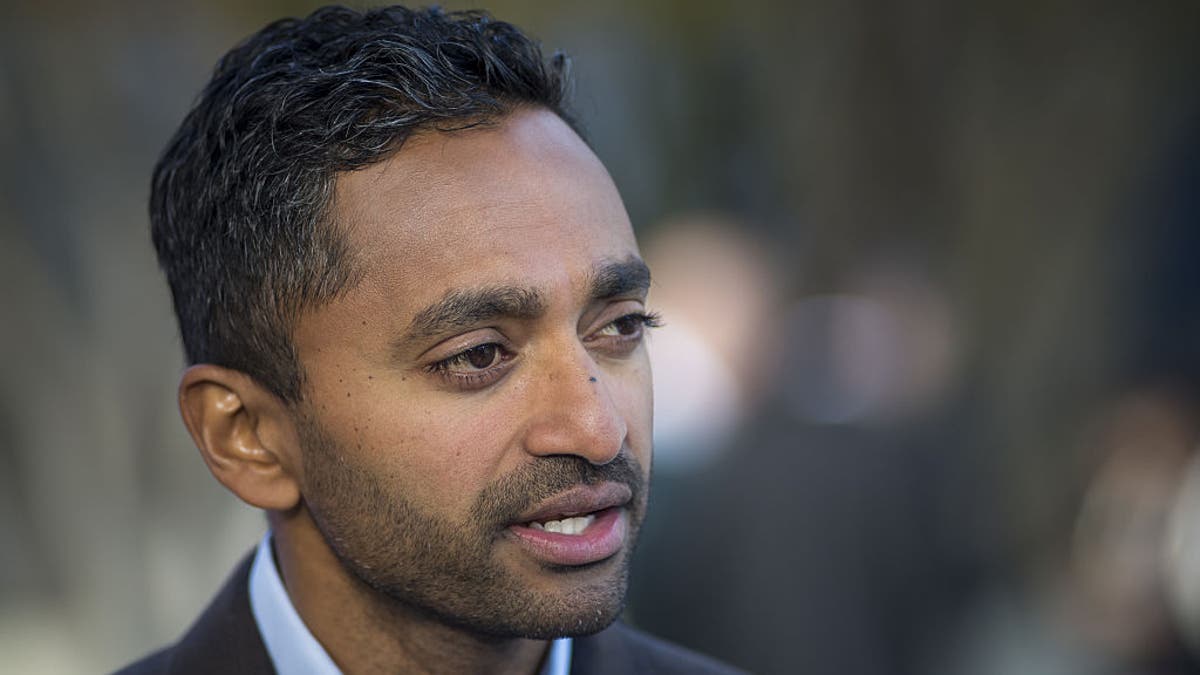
(628, 325)
(482, 356)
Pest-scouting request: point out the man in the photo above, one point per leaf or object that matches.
(415, 311)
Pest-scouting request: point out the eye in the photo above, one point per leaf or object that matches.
(622, 335)
(479, 357)
(474, 368)
(627, 326)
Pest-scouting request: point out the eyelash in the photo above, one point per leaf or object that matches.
(484, 376)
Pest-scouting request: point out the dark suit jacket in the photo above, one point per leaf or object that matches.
(225, 640)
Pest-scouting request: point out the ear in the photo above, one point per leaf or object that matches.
(245, 435)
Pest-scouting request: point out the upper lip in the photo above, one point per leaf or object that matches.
(578, 501)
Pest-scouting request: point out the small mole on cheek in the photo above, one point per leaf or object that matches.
(591, 379)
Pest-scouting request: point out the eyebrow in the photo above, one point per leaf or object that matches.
(613, 279)
(463, 308)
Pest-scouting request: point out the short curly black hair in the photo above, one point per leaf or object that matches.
(239, 199)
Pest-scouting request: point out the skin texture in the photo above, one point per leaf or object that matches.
(390, 488)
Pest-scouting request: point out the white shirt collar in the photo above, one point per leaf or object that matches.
(295, 651)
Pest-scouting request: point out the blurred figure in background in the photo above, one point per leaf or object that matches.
(812, 541)
(719, 289)
(1116, 589)
(1132, 555)
(1121, 599)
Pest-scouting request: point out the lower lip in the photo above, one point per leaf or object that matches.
(602, 539)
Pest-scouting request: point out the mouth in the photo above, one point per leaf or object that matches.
(581, 526)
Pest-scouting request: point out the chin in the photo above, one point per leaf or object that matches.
(580, 618)
(567, 605)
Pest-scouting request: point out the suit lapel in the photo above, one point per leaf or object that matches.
(602, 653)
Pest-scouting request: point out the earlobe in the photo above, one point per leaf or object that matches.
(244, 433)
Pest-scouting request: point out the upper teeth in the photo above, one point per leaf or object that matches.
(574, 525)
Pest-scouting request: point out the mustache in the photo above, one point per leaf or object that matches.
(505, 500)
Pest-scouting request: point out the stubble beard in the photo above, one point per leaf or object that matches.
(449, 572)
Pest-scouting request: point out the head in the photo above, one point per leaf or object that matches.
(415, 310)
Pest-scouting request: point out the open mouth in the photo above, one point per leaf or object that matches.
(581, 526)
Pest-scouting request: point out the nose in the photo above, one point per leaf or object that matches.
(573, 411)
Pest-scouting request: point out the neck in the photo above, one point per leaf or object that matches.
(366, 633)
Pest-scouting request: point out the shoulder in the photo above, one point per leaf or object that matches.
(224, 639)
(622, 649)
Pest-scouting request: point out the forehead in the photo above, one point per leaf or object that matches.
(520, 200)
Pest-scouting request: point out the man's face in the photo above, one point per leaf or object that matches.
(484, 384)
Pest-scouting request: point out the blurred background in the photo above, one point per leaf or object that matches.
(926, 399)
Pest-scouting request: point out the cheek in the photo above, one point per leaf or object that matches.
(442, 456)
(415, 452)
